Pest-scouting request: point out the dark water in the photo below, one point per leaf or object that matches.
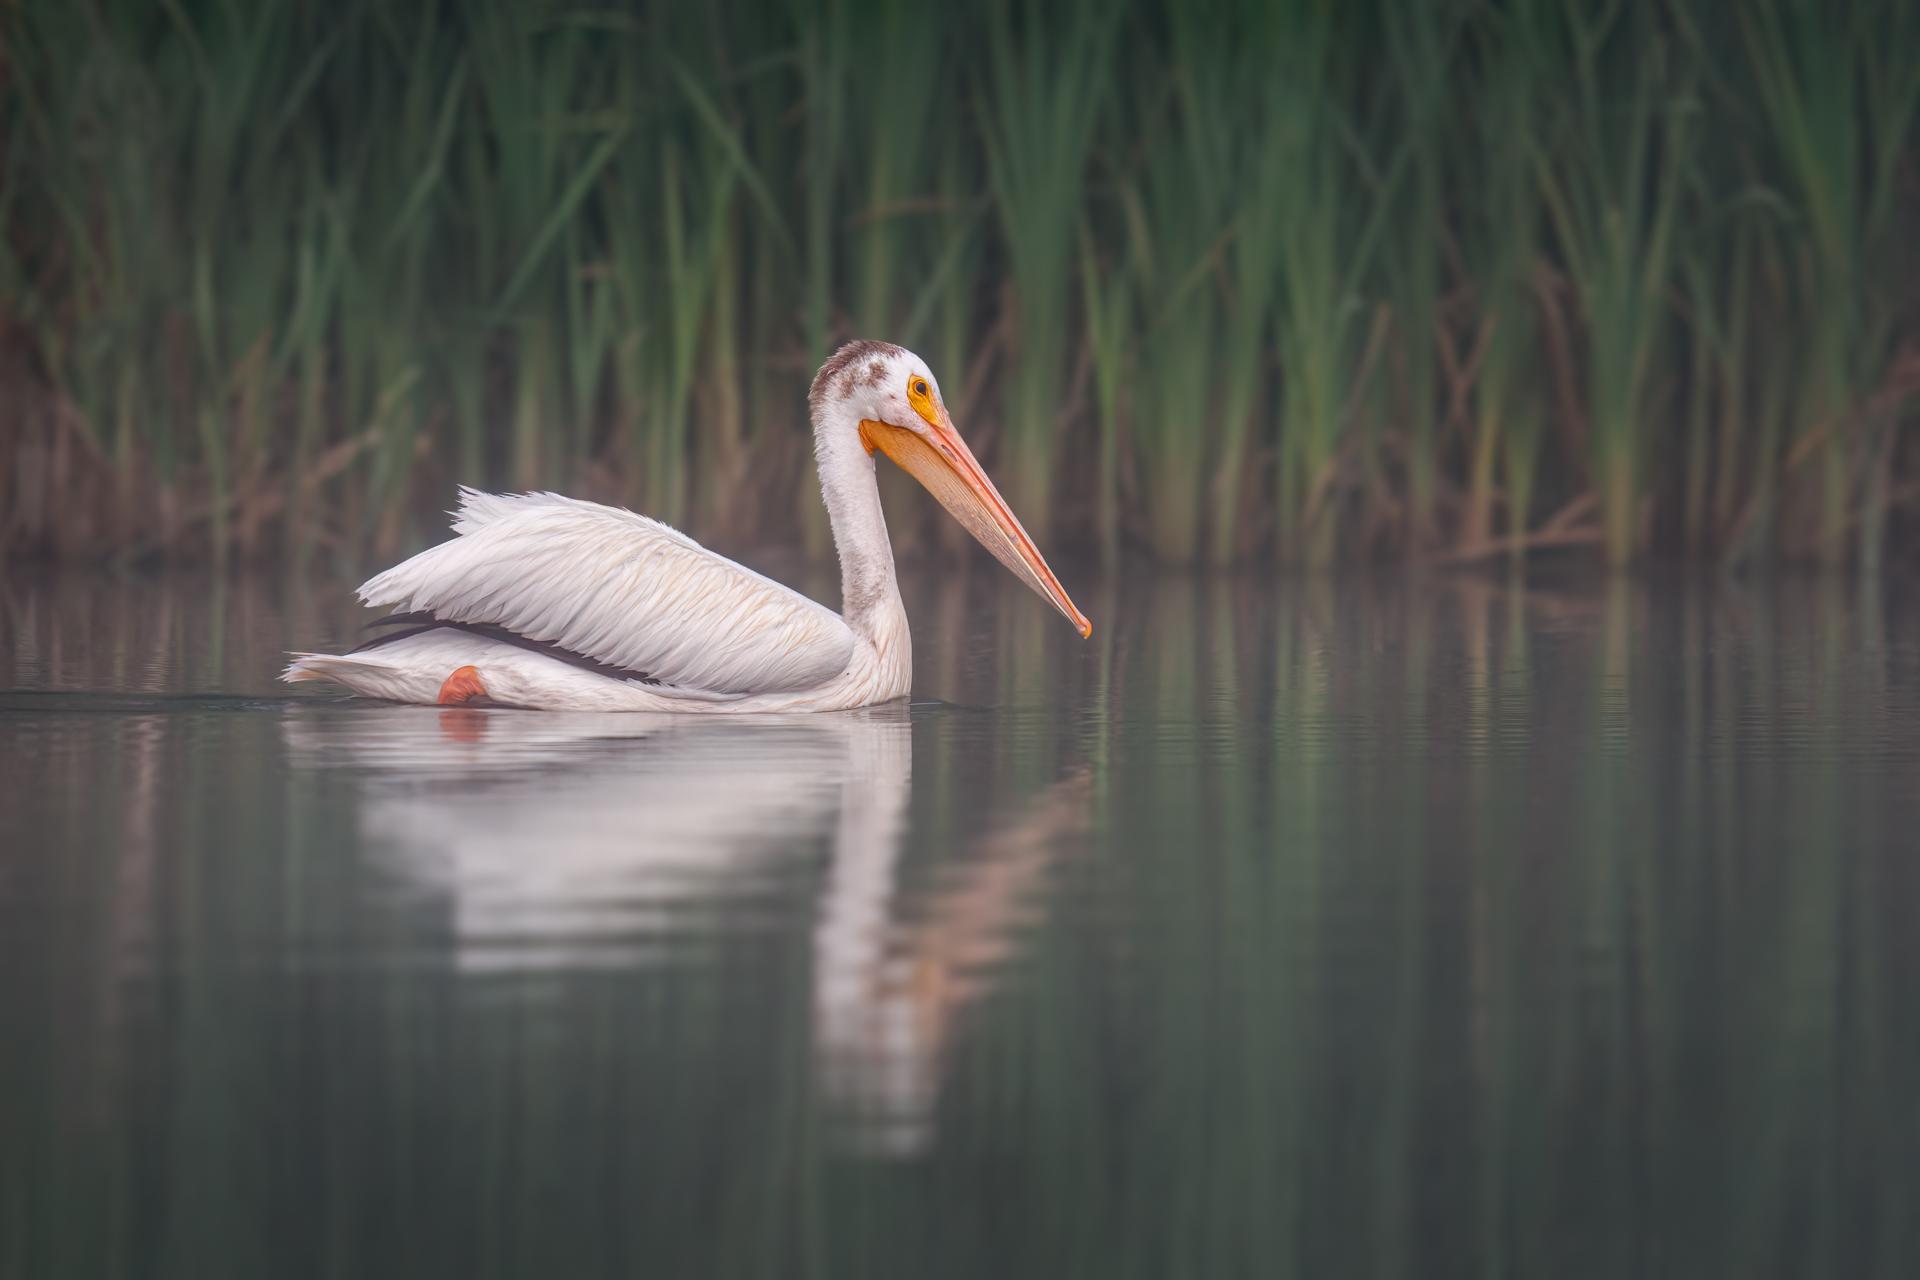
(1339, 928)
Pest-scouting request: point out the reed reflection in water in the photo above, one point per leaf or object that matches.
(1419, 928)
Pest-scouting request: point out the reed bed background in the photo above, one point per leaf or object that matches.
(1226, 280)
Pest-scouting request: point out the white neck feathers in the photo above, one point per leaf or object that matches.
(852, 497)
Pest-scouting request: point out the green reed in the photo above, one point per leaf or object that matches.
(1422, 49)
(1218, 281)
(1319, 308)
(1611, 180)
(1046, 72)
(1493, 350)
(1239, 131)
(1838, 94)
(1177, 210)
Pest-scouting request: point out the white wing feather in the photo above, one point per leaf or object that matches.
(622, 589)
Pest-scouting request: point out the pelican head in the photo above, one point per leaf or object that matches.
(888, 396)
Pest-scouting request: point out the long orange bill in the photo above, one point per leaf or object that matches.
(940, 460)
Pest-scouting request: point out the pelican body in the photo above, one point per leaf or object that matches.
(548, 602)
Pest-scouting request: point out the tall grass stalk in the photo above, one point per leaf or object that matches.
(1612, 185)
(1839, 92)
(1179, 210)
(1045, 76)
(1240, 132)
(1497, 349)
(1421, 48)
(1326, 238)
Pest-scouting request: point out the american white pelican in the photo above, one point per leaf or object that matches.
(549, 602)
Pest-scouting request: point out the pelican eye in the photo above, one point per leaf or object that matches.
(919, 387)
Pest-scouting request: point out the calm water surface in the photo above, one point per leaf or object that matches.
(1321, 928)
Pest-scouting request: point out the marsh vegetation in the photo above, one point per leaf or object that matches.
(1221, 280)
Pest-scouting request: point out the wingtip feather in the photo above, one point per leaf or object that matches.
(304, 667)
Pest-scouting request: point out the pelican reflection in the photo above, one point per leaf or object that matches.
(573, 841)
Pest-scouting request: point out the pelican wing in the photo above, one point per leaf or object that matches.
(620, 589)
